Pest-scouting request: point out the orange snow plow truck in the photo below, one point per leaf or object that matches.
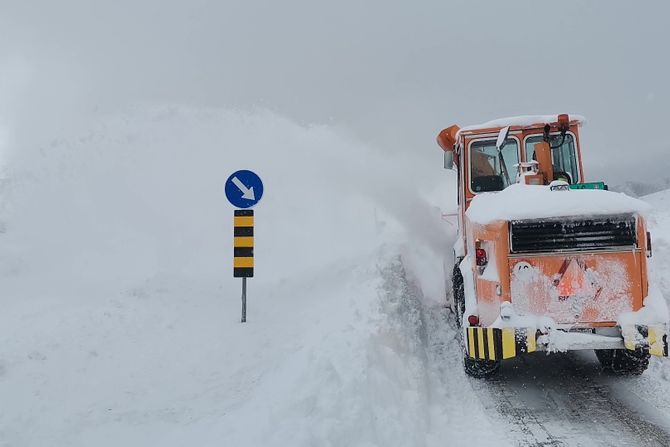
(545, 261)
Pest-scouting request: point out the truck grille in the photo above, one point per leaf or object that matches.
(572, 233)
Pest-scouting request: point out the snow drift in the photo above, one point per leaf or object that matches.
(120, 315)
(150, 185)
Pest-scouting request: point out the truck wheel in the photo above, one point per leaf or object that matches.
(480, 369)
(623, 361)
(459, 295)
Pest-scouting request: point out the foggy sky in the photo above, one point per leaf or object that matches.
(392, 73)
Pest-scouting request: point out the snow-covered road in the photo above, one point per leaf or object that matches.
(566, 400)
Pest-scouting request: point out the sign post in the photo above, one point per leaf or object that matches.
(243, 246)
(244, 189)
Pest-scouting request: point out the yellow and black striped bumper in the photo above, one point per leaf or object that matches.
(652, 337)
(498, 344)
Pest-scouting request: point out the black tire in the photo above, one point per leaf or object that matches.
(459, 295)
(623, 361)
(480, 369)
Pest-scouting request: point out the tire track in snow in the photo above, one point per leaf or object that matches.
(429, 349)
(565, 400)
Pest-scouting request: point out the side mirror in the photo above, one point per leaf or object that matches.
(448, 159)
(502, 136)
(446, 139)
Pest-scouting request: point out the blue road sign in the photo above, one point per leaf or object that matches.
(244, 189)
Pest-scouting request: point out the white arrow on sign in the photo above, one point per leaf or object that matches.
(247, 193)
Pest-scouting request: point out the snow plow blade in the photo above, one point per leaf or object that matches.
(498, 344)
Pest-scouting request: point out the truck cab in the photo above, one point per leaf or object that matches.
(545, 261)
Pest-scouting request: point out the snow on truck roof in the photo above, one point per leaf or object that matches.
(521, 121)
(521, 201)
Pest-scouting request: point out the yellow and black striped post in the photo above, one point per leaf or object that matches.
(243, 243)
(243, 246)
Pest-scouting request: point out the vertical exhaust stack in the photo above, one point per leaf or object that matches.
(543, 155)
(543, 149)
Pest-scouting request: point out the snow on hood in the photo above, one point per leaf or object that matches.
(520, 201)
(522, 121)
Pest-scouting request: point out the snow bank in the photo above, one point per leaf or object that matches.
(520, 201)
(656, 304)
(659, 200)
(657, 378)
(120, 319)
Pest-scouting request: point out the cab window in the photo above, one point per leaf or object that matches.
(563, 156)
(487, 170)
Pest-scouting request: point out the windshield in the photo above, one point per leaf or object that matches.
(487, 173)
(563, 157)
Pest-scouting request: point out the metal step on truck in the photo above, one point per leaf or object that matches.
(545, 261)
